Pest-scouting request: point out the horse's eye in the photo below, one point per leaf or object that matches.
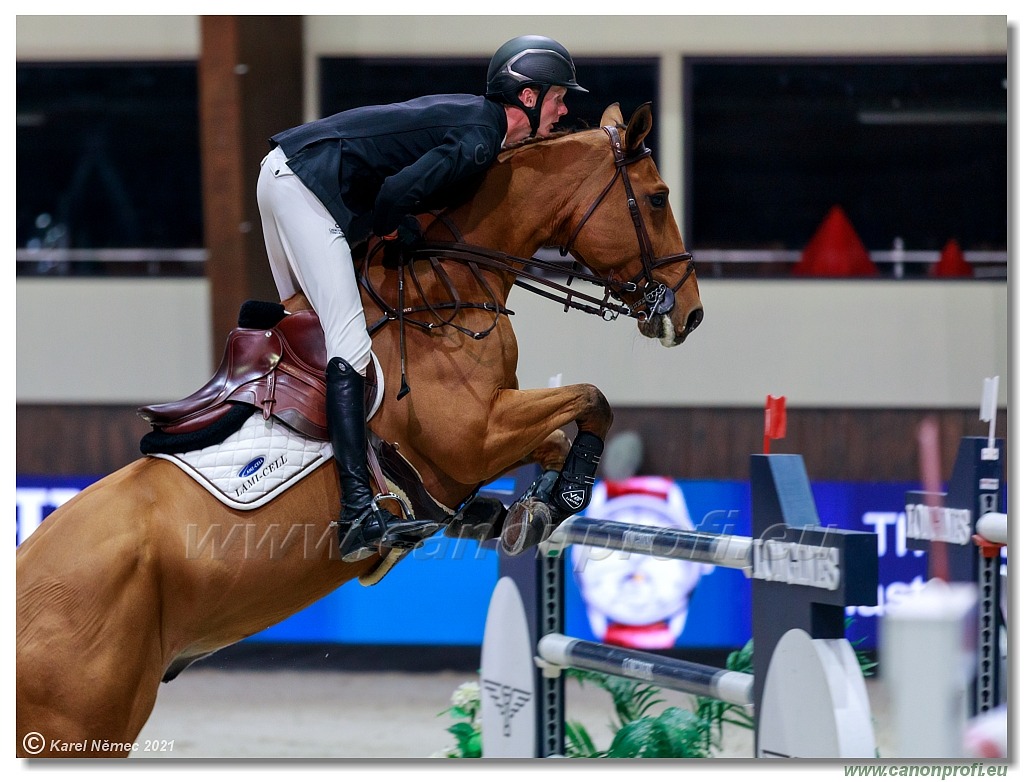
(658, 200)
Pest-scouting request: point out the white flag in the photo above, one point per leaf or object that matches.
(989, 396)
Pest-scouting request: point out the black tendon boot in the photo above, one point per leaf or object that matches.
(553, 497)
(363, 527)
(575, 484)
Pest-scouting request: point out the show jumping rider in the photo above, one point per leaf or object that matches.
(329, 182)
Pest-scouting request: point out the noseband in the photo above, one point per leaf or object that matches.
(657, 298)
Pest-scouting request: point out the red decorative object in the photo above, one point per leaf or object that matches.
(835, 250)
(952, 262)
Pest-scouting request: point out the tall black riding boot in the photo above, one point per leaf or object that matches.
(363, 527)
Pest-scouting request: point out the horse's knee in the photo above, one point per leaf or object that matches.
(598, 416)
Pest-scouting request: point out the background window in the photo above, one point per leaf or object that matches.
(108, 157)
(908, 148)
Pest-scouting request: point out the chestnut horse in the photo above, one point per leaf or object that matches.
(108, 603)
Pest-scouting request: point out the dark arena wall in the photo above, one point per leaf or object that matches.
(684, 442)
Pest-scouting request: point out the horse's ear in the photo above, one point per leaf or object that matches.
(640, 125)
(612, 116)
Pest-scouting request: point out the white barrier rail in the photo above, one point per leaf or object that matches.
(730, 551)
(719, 683)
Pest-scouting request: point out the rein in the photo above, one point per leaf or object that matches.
(477, 259)
(657, 298)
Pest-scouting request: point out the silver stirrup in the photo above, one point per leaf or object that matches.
(405, 507)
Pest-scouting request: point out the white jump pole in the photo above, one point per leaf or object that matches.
(992, 527)
(729, 551)
(718, 683)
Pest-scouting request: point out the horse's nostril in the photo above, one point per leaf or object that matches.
(694, 320)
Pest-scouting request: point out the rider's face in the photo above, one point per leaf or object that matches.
(552, 110)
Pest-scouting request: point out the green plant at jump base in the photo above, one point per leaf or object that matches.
(674, 733)
(638, 731)
(465, 710)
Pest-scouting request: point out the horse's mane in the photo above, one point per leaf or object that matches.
(457, 194)
(534, 141)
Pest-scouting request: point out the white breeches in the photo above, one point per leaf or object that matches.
(308, 252)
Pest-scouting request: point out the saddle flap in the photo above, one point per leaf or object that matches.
(304, 338)
(404, 477)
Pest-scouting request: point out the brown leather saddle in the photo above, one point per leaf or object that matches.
(278, 370)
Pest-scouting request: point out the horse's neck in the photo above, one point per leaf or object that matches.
(527, 201)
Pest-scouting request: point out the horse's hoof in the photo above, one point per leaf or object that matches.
(528, 523)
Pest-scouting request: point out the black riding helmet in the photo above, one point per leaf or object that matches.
(530, 61)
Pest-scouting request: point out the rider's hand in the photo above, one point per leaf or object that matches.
(399, 243)
(409, 233)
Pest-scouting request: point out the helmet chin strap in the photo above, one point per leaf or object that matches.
(533, 114)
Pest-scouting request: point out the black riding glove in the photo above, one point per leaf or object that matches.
(408, 236)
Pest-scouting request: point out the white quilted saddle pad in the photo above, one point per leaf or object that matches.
(261, 460)
(255, 464)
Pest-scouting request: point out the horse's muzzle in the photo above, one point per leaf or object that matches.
(663, 327)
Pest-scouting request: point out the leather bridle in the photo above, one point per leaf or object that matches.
(657, 297)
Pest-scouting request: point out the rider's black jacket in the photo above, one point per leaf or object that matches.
(372, 166)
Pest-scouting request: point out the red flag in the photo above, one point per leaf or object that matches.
(774, 420)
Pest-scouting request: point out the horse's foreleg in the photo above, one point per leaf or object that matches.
(484, 517)
(565, 485)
